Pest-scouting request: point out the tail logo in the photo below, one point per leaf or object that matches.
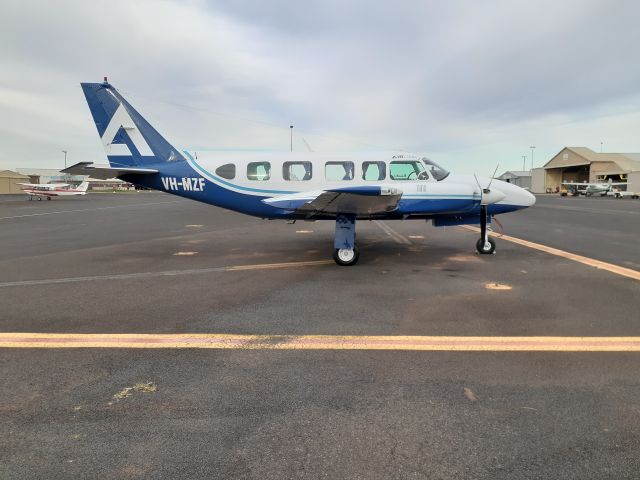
(122, 119)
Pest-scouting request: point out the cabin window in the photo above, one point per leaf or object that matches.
(259, 171)
(227, 171)
(374, 171)
(407, 170)
(297, 171)
(337, 171)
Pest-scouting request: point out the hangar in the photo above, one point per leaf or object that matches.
(581, 164)
(9, 181)
(520, 178)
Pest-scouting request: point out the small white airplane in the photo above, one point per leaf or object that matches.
(297, 186)
(590, 189)
(48, 190)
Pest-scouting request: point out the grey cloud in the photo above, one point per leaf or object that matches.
(459, 76)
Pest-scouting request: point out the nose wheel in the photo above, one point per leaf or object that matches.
(485, 244)
(486, 248)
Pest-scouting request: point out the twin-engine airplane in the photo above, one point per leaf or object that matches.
(294, 186)
(48, 190)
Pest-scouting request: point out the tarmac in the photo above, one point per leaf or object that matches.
(270, 361)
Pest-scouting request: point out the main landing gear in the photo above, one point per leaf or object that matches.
(485, 244)
(346, 251)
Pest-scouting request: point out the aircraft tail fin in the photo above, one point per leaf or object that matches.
(128, 139)
(83, 187)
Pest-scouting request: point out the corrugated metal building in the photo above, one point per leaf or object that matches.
(517, 177)
(9, 181)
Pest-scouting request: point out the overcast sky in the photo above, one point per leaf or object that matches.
(468, 83)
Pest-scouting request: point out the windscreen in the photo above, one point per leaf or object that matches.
(435, 170)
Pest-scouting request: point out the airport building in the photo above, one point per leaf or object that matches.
(583, 165)
(9, 182)
(519, 178)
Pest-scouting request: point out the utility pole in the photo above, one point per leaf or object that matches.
(291, 129)
(601, 147)
(532, 147)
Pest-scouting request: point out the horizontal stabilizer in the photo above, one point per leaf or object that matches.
(105, 173)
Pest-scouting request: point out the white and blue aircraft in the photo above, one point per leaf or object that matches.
(297, 186)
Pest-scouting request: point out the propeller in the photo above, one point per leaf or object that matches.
(489, 196)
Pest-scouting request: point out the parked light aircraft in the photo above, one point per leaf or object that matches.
(590, 189)
(48, 190)
(297, 186)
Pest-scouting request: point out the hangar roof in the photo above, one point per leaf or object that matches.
(514, 174)
(623, 161)
(12, 174)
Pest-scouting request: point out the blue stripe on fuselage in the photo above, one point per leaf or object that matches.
(214, 194)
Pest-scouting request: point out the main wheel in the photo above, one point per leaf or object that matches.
(346, 257)
(486, 248)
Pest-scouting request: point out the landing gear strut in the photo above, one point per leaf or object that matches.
(485, 244)
(346, 251)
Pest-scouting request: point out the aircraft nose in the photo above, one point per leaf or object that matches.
(530, 198)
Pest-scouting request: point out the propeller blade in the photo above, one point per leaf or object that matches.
(494, 174)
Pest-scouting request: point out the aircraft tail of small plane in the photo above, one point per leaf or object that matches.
(129, 140)
(83, 187)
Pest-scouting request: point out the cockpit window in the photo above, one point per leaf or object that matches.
(435, 170)
(407, 170)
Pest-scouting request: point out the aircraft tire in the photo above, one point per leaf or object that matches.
(480, 246)
(345, 257)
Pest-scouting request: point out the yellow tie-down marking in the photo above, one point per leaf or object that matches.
(320, 342)
(609, 267)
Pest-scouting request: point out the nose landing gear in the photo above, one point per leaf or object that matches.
(485, 244)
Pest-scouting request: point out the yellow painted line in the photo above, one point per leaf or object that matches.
(271, 266)
(609, 267)
(320, 342)
(164, 273)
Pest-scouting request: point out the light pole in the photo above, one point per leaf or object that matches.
(524, 163)
(291, 129)
(601, 147)
(532, 147)
(66, 175)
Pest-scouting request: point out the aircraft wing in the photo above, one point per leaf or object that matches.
(105, 173)
(357, 200)
(48, 186)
